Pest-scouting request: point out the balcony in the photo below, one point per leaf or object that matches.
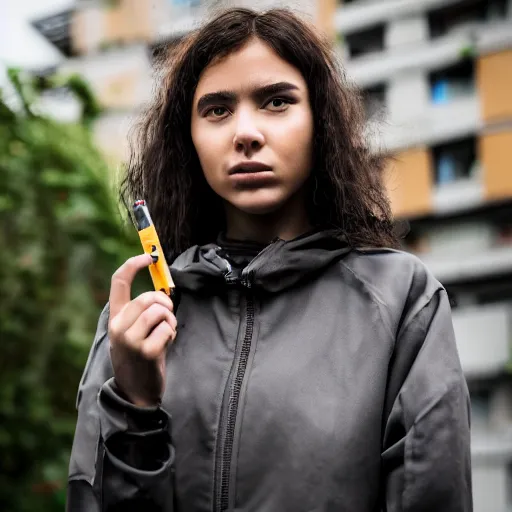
(459, 177)
(483, 337)
(360, 15)
(57, 30)
(471, 266)
(459, 195)
(491, 475)
(433, 124)
(121, 77)
(430, 55)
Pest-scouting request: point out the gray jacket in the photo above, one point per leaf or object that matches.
(317, 378)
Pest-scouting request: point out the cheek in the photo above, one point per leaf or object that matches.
(209, 150)
(296, 141)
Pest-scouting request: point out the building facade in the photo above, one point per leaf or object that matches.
(437, 78)
(437, 82)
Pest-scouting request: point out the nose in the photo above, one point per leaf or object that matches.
(248, 137)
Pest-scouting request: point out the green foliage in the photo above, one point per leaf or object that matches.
(111, 4)
(467, 52)
(61, 237)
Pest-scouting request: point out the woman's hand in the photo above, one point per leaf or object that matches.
(139, 331)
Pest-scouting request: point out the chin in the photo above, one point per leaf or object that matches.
(258, 202)
(259, 206)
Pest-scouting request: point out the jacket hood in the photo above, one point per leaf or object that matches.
(278, 266)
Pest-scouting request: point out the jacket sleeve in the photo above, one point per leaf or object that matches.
(426, 454)
(122, 455)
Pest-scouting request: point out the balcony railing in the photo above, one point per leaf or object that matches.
(429, 55)
(491, 479)
(471, 266)
(359, 15)
(432, 125)
(483, 337)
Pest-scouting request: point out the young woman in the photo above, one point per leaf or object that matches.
(312, 366)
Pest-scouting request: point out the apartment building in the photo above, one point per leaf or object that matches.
(112, 43)
(437, 76)
(437, 81)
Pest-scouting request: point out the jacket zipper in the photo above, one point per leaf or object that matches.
(228, 426)
(234, 398)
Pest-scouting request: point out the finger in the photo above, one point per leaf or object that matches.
(145, 323)
(131, 311)
(120, 288)
(154, 345)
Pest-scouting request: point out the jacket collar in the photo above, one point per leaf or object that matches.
(278, 266)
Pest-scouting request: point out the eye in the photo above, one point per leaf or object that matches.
(217, 112)
(278, 104)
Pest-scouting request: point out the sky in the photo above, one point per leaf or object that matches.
(20, 44)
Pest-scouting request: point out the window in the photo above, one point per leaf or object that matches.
(56, 29)
(504, 233)
(480, 407)
(455, 161)
(452, 298)
(496, 292)
(454, 82)
(365, 41)
(374, 99)
(467, 12)
(503, 228)
(416, 242)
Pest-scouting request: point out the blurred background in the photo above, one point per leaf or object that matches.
(436, 77)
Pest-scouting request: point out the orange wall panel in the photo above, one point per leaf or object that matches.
(114, 23)
(325, 17)
(494, 73)
(496, 156)
(409, 182)
(141, 26)
(79, 32)
(130, 20)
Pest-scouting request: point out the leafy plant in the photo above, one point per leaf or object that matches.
(467, 52)
(61, 238)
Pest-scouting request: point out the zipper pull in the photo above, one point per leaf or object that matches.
(248, 279)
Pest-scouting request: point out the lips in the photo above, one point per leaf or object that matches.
(249, 168)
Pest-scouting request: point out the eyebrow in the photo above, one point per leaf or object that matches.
(259, 94)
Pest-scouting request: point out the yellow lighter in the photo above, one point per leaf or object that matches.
(160, 274)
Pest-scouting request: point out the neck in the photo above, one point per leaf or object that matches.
(287, 223)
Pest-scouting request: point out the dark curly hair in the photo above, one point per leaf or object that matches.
(345, 189)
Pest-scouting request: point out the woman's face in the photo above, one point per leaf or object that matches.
(252, 128)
